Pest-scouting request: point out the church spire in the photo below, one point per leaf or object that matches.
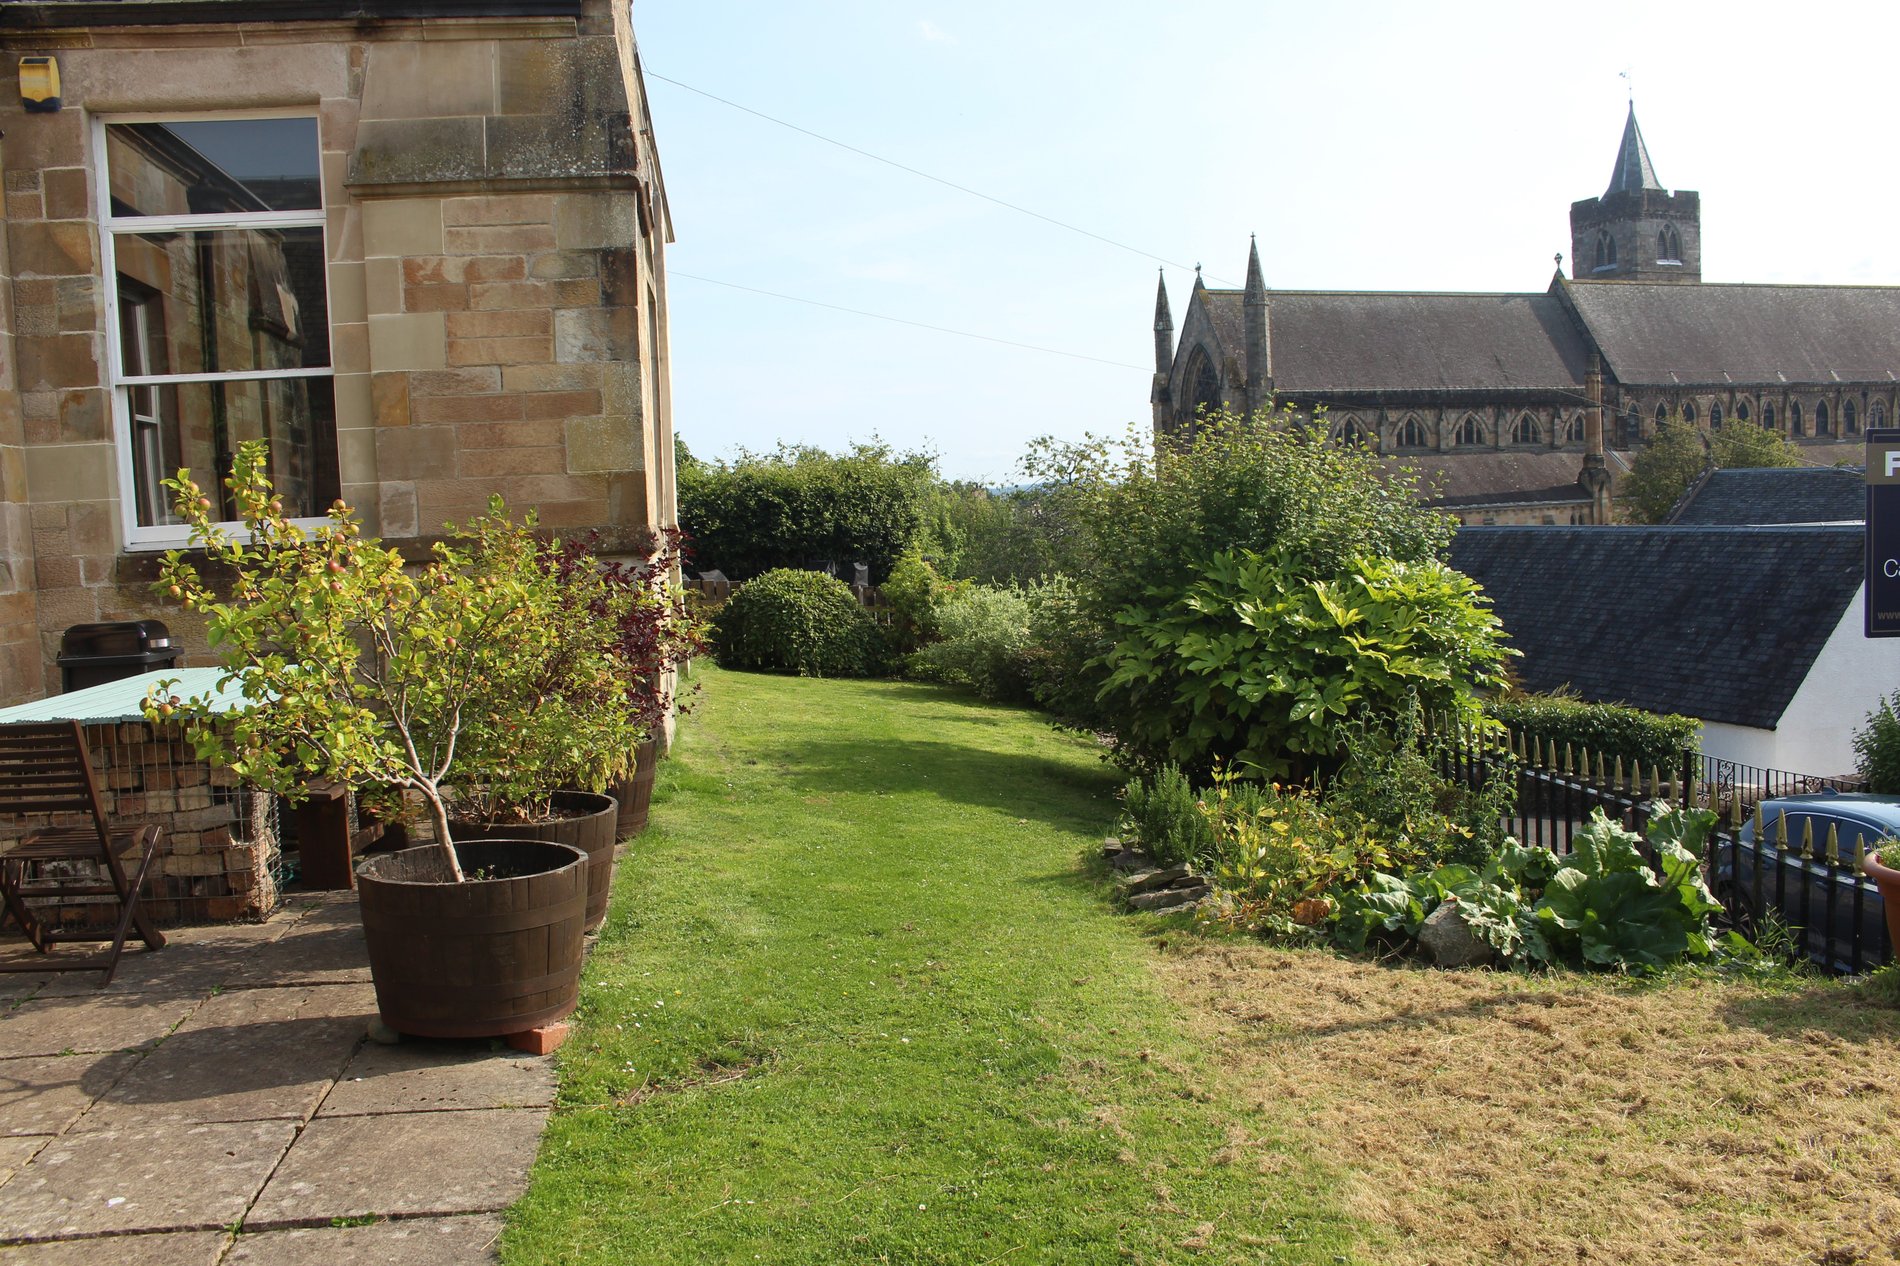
(1633, 171)
(1164, 326)
(1259, 363)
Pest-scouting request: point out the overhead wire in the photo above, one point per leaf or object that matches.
(904, 167)
(922, 325)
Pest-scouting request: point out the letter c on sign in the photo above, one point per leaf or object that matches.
(1890, 568)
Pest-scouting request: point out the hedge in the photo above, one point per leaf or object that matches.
(1607, 729)
(802, 622)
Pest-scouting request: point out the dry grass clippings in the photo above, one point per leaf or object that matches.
(1481, 1117)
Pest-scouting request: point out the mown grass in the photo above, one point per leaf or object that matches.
(859, 1000)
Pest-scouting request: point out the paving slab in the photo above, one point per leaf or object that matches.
(195, 1248)
(198, 959)
(248, 1055)
(191, 1178)
(17, 1150)
(410, 1164)
(44, 1094)
(109, 1021)
(325, 947)
(472, 1240)
(428, 1076)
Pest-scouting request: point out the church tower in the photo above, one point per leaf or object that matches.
(1637, 231)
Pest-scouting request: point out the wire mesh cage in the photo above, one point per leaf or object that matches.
(220, 851)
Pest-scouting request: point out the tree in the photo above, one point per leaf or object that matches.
(1680, 451)
(485, 665)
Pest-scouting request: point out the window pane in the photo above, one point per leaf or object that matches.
(199, 425)
(213, 167)
(230, 301)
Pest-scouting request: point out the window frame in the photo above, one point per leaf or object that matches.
(138, 537)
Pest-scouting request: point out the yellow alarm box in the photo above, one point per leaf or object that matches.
(39, 84)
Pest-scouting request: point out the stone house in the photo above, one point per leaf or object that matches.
(1587, 366)
(418, 245)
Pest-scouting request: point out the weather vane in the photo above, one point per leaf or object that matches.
(1629, 82)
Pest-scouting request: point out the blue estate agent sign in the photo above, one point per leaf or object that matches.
(1883, 532)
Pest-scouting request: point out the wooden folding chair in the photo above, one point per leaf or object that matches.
(44, 768)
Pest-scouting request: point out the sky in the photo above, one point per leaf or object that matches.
(1370, 146)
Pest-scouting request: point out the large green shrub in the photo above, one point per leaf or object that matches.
(1877, 743)
(1169, 624)
(1065, 642)
(917, 593)
(798, 506)
(1609, 730)
(1148, 524)
(802, 622)
(983, 643)
(1256, 661)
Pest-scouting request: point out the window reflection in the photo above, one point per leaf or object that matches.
(213, 167)
(199, 425)
(231, 300)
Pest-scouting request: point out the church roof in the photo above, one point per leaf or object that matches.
(1663, 334)
(1466, 479)
(1633, 168)
(1664, 618)
(1337, 341)
(1797, 494)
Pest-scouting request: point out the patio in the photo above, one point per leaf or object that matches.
(220, 1103)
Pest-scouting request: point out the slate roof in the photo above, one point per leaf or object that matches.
(1720, 623)
(1799, 494)
(1662, 334)
(1338, 341)
(1633, 171)
(1464, 478)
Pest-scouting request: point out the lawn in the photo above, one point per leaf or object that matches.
(859, 999)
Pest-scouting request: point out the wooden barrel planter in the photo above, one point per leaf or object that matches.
(486, 957)
(587, 821)
(636, 791)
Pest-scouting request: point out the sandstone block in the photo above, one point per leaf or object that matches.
(390, 395)
(439, 409)
(434, 298)
(497, 351)
(501, 324)
(455, 382)
(412, 340)
(402, 226)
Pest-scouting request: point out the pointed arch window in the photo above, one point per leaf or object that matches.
(1606, 251)
(1820, 418)
(1768, 416)
(1668, 245)
(1741, 410)
(1794, 418)
(1204, 384)
(1879, 415)
(1470, 432)
(1688, 412)
(1850, 418)
(1526, 431)
(1631, 427)
(1715, 416)
(1411, 433)
(1662, 414)
(1349, 430)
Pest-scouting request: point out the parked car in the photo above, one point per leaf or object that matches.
(1836, 912)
